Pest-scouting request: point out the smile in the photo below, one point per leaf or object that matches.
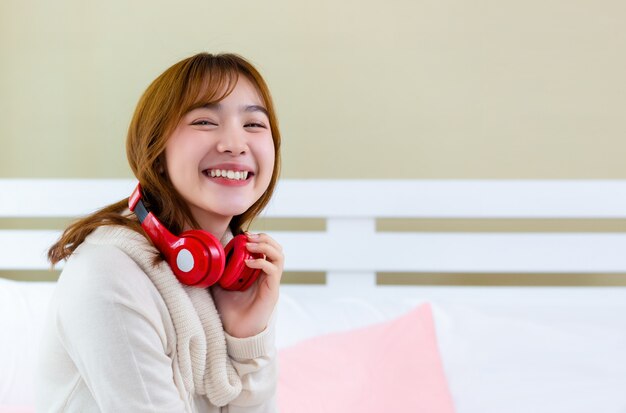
(228, 174)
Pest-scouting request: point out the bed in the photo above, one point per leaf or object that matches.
(467, 349)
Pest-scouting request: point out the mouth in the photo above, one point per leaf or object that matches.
(228, 174)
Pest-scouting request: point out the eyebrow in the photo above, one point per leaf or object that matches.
(247, 108)
(256, 108)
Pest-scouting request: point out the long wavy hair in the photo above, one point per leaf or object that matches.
(195, 81)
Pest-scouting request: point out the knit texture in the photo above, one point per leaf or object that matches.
(201, 348)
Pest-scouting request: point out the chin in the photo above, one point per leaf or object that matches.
(232, 210)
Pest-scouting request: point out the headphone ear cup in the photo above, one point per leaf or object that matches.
(198, 259)
(237, 275)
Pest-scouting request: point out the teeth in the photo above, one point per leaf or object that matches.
(234, 175)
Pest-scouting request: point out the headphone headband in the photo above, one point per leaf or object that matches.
(164, 240)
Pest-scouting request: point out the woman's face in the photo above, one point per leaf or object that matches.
(220, 157)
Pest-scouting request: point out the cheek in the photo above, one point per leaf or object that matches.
(179, 152)
(172, 148)
(266, 154)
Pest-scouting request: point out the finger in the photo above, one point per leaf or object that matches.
(270, 251)
(263, 237)
(267, 267)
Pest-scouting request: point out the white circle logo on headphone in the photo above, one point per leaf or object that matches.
(184, 260)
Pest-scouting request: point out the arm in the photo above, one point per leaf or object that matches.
(255, 359)
(113, 328)
(248, 318)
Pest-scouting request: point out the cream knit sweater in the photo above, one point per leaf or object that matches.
(125, 335)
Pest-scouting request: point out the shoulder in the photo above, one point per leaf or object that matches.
(98, 275)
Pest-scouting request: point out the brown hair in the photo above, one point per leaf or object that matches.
(195, 81)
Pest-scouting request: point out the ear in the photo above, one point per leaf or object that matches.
(160, 168)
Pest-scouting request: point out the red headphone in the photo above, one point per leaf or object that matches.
(197, 257)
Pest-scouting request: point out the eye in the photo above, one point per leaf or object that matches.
(203, 122)
(254, 125)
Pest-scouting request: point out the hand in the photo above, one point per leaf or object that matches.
(247, 313)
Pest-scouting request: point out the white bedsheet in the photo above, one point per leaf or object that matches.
(504, 350)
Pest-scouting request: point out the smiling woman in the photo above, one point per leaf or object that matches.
(127, 318)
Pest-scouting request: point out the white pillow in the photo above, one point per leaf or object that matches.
(22, 314)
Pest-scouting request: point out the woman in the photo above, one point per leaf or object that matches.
(124, 333)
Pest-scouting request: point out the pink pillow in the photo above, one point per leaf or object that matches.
(389, 367)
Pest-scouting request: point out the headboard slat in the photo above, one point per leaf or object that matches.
(352, 198)
(399, 252)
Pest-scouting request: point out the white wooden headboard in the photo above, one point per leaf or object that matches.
(351, 251)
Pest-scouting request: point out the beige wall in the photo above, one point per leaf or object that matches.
(364, 89)
(396, 89)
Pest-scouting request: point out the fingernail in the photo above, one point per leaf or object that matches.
(252, 235)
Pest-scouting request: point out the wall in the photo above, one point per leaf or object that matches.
(364, 89)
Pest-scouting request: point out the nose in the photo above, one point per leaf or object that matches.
(232, 140)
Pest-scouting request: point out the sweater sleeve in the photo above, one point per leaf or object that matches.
(255, 360)
(112, 327)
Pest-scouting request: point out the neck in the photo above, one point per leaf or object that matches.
(217, 225)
